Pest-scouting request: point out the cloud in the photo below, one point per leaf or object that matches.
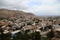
(38, 7)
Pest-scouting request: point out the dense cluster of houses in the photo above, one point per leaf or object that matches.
(10, 27)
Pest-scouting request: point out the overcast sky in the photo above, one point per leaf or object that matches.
(38, 7)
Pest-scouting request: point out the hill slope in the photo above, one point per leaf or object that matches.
(13, 13)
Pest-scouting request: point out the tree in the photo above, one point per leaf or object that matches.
(36, 36)
(50, 35)
(1, 33)
(25, 36)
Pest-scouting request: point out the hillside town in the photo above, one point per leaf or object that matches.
(30, 28)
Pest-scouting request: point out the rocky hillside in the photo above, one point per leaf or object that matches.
(13, 13)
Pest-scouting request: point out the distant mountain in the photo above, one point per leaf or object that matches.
(13, 13)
